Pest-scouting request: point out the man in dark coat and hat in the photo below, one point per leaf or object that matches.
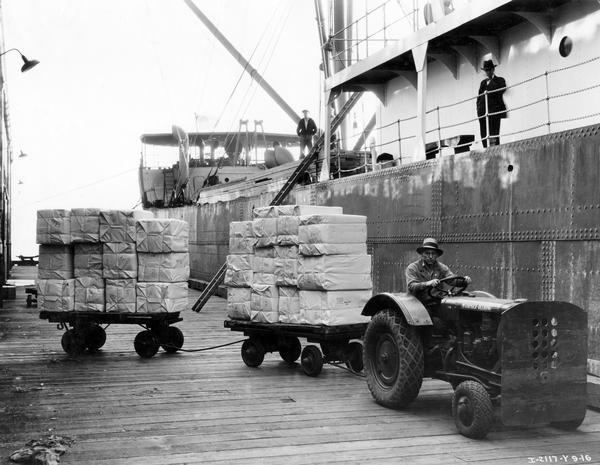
(306, 130)
(490, 89)
(426, 272)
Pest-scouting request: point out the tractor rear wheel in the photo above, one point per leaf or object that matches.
(472, 410)
(393, 359)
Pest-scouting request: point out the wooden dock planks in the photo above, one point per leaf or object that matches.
(208, 407)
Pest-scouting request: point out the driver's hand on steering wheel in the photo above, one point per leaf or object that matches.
(432, 283)
(468, 279)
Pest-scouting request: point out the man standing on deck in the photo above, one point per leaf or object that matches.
(426, 272)
(306, 130)
(490, 89)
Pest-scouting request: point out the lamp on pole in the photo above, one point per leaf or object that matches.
(27, 64)
(6, 203)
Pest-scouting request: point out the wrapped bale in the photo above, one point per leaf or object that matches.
(332, 233)
(265, 231)
(333, 300)
(286, 271)
(285, 251)
(89, 294)
(85, 225)
(268, 279)
(162, 235)
(264, 303)
(120, 295)
(289, 305)
(120, 225)
(307, 220)
(333, 249)
(87, 260)
(55, 262)
(265, 212)
(263, 265)
(241, 245)
(119, 260)
(161, 297)
(238, 303)
(287, 230)
(336, 264)
(56, 294)
(334, 281)
(302, 210)
(239, 270)
(163, 267)
(240, 229)
(53, 227)
(333, 317)
(266, 252)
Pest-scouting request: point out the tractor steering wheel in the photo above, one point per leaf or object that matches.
(451, 286)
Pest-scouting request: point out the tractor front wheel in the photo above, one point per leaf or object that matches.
(472, 410)
(393, 359)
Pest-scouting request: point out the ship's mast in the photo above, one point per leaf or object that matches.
(242, 61)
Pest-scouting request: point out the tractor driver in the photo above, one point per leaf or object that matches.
(426, 272)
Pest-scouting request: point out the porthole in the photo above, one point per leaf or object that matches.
(565, 46)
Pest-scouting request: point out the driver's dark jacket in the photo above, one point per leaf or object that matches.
(417, 273)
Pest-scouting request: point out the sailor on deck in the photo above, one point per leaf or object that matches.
(490, 89)
(306, 130)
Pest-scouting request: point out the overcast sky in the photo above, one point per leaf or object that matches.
(111, 70)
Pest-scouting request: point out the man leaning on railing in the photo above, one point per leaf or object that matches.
(490, 104)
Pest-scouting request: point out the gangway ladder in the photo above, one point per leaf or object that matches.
(305, 163)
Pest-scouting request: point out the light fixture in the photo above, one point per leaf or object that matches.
(22, 154)
(27, 64)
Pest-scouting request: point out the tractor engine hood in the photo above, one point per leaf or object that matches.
(480, 304)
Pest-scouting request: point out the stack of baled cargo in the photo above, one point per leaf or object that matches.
(88, 264)
(163, 270)
(264, 297)
(238, 277)
(119, 257)
(310, 266)
(334, 276)
(56, 283)
(287, 258)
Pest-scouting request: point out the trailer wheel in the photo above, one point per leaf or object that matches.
(312, 360)
(569, 425)
(95, 338)
(146, 344)
(173, 340)
(393, 358)
(72, 342)
(290, 349)
(253, 352)
(472, 410)
(354, 356)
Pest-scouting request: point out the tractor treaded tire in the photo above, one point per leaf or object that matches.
(481, 415)
(405, 388)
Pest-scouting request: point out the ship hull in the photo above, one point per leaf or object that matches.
(522, 219)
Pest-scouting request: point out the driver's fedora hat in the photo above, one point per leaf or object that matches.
(429, 243)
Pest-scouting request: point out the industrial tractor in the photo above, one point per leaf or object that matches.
(529, 356)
